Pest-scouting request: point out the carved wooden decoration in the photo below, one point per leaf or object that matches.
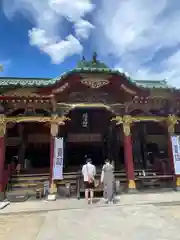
(61, 89)
(90, 97)
(94, 83)
(22, 92)
(126, 89)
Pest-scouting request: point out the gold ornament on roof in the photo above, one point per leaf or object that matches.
(98, 83)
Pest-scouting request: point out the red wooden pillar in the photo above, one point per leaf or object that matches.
(2, 160)
(51, 157)
(54, 132)
(128, 154)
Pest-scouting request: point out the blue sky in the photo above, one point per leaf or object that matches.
(44, 38)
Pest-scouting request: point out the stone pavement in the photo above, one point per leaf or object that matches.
(136, 217)
(112, 222)
(63, 204)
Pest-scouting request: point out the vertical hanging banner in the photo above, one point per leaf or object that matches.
(175, 140)
(58, 159)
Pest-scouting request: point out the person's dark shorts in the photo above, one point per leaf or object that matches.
(89, 185)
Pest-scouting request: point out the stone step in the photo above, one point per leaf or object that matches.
(31, 175)
(29, 179)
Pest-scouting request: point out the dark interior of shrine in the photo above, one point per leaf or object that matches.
(150, 146)
(31, 143)
(76, 155)
(39, 155)
(88, 134)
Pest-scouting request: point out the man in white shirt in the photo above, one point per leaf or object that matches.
(89, 172)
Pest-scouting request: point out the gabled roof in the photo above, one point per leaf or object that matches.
(24, 82)
(152, 84)
(83, 66)
(44, 82)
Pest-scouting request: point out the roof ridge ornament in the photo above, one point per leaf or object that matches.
(94, 57)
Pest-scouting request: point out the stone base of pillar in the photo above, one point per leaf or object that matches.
(52, 192)
(177, 189)
(51, 197)
(131, 188)
(2, 196)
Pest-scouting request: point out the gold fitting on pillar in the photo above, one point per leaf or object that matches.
(2, 125)
(177, 181)
(131, 184)
(53, 188)
(55, 122)
(127, 120)
(171, 121)
(54, 129)
(117, 119)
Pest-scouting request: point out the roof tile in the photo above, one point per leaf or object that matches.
(98, 68)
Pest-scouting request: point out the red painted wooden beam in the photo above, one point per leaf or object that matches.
(25, 98)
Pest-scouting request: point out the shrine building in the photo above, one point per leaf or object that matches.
(99, 112)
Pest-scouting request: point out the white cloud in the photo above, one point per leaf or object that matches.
(59, 50)
(72, 10)
(82, 28)
(65, 48)
(38, 37)
(140, 35)
(47, 16)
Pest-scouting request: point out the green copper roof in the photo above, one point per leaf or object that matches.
(152, 84)
(23, 82)
(83, 67)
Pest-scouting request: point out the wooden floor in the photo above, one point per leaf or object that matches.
(75, 169)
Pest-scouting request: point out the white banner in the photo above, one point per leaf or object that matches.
(58, 159)
(175, 140)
